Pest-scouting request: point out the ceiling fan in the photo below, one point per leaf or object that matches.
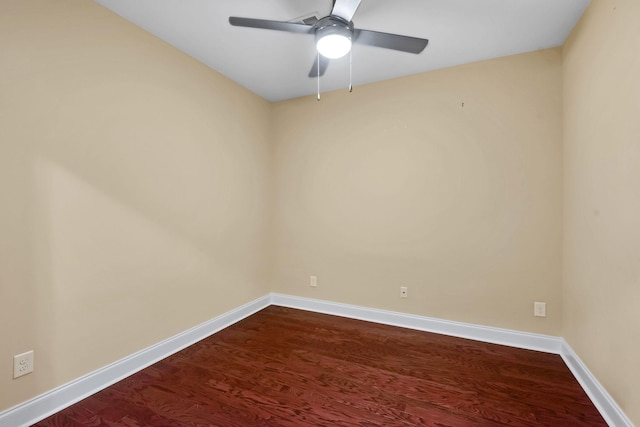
(335, 33)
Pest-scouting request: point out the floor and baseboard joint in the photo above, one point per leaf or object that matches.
(55, 400)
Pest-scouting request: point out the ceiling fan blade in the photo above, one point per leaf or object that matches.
(345, 9)
(390, 41)
(271, 25)
(324, 63)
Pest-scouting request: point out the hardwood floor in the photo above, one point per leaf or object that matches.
(286, 367)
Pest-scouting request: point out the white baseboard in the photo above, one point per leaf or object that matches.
(538, 342)
(55, 400)
(61, 397)
(609, 409)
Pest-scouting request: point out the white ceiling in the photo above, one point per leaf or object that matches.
(275, 64)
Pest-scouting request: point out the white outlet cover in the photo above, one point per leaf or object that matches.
(404, 292)
(540, 309)
(22, 364)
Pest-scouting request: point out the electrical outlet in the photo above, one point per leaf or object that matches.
(313, 281)
(404, 292)
(540, 309)
(22, 364)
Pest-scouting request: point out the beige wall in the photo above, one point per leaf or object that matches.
(602, 203)
(399, 184)
(138, 190)
(134, 191)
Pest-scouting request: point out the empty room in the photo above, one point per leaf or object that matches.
(205, 219)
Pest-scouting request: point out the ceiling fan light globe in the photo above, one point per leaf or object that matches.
(334, 46)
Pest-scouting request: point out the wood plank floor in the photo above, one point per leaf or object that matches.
(285, 367)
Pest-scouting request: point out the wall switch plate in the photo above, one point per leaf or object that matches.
(22, 364)
(404, 292)
(313, 281)
(540, 309)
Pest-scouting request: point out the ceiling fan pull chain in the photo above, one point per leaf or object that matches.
(318, 52)
(350, 71)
